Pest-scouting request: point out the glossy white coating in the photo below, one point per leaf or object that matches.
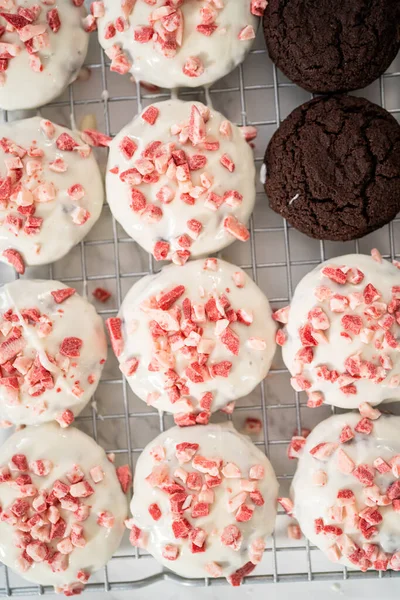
(64, 448)
(249, 367)
(60, 230)
(75, 317)
(176, 214)
(215, 441)
(61, 59)
(219, 53)
(336, 349)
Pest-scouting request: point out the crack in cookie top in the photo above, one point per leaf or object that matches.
(346, 491)
(340, 339)
(204, 502)
(42, 48)
(52, 351)
(178, 43)
(51, 192)
(181, 180)
(193, 339)
(63, 510)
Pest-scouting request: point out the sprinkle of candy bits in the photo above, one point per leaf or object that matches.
(38, 361)
(168, 34)
(183, 194)
(32, 31)
(49, 517)
(341, 339)
(182, 327)
(43, 182)
(352, 519)
(203, 502)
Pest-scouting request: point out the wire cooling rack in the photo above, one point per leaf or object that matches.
(276, 256)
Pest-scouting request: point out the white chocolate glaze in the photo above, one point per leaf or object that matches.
(215, 442)
(61, 59)
(249, 366)
(312, 502)
(60, 229)
(176, 214)
(219, 53)
(64, 448)
(335, 351)
(71, 388)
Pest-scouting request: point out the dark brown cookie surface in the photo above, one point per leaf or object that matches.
(333, 168)
(332, 45)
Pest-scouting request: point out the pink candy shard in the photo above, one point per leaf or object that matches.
(114, 326)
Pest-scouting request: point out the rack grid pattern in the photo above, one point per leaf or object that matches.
(262, 406)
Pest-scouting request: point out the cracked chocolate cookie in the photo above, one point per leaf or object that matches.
(333, 168)
(332, 46)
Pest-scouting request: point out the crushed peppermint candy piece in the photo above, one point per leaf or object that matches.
(63, 294)
(101, 294)
(95, 138)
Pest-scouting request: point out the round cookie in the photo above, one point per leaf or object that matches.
(52, 351)
(204, 502)
(346, 491)
(51, 192)
(341, 334)
(326, 46)
(192, 339)
(35, 65)
(63, 509)
(333, 168)
(188, 45)
(181, 180)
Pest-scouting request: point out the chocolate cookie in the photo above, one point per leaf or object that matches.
(333, 168)
(332, 45)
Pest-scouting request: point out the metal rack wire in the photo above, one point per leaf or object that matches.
(279, 408)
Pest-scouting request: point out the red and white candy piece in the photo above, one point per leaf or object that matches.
(204, 503)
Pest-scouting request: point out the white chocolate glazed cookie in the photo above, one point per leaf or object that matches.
(42, 48)
(187, 44)
(193, 339)
(63, 509)
(52, 351)
(181, 180)
(341, 335)
(346, 490)
(51, 192)
(204, 502)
